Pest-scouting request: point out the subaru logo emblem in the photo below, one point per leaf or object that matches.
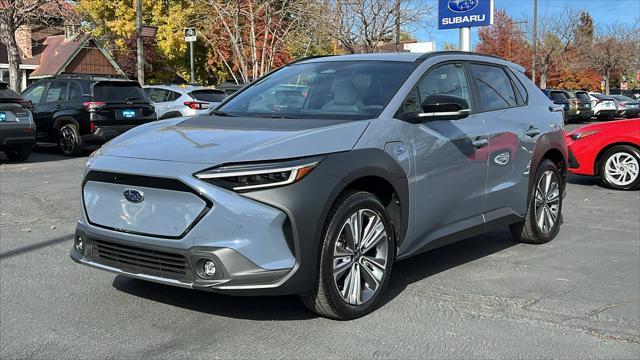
(462, 5)
(133, 195)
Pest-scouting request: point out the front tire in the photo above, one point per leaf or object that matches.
(544, 214)
(69, 140)
(620, 168)
(18, 154)
(357, 254)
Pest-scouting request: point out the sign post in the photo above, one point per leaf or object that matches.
(190, 36)
(464, 14)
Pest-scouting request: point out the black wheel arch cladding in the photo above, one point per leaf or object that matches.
(308, 202)
(549, 146)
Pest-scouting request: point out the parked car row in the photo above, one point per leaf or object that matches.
(581, 105)
(79, 113)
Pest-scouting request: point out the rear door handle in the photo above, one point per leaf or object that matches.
(533, 131)
(480, 142)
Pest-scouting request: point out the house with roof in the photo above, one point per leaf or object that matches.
(47, 51)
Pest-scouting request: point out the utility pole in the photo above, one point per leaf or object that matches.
(338, 27)
(535, 40)
(139, 43)
(398, 25)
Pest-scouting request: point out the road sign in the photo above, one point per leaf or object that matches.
(454, 14)
(190, 34)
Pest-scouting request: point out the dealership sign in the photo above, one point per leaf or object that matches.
(464, 13)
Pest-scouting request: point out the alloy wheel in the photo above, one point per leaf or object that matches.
(67, 140)
(621, 169)
(547, 202)
(360, 257)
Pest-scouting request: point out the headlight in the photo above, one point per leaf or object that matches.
(582, 135)
(241, 177)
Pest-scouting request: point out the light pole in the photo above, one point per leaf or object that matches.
(139, 43)
(535, 40)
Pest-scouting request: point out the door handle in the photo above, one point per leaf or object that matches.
(480, 142)
(532, 131)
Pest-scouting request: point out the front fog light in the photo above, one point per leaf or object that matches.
(209, 268)
(79, 243)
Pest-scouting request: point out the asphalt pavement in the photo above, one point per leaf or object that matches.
(486, 297)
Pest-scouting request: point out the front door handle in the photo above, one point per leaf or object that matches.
(532, 131)
(480, 142)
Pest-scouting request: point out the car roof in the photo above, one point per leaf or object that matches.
(411, 57)
(179, 88)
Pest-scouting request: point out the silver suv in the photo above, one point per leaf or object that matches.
(315, 179)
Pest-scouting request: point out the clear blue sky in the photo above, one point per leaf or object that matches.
(602, 11)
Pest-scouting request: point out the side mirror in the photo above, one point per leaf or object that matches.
(441, 107)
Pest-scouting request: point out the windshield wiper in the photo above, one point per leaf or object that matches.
(275, 116)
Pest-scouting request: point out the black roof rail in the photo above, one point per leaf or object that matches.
(426, 56)
(86, 76)
(308, 58)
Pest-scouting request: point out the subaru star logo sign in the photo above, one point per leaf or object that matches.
(462, 5)
(133, 195)
(464, 13)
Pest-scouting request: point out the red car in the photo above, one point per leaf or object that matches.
(610, 150)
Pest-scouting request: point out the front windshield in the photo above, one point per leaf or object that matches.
(351, 90)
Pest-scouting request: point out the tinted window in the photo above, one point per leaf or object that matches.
(582, 96)
(558, 95)
(446, 79)
(57, 92)
(75, 91)
(173, 96)
(520, 89)
(35, 93)
(158, 95)
(118, 92)
(208, 95)
(329, 90)
(494, 87)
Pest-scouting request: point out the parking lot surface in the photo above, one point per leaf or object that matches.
(486, 297)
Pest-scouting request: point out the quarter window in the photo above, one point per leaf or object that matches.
(495, 91)
(75, 91)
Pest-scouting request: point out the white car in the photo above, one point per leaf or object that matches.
(183, 100)
(604, 106)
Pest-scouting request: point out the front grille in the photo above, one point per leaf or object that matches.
(141, 258)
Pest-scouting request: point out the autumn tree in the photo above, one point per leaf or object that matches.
(113, 21)
(364, 25)
(16, 13)
(506, 39)
(615, 49)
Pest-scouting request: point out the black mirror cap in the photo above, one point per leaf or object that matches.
(444, 103)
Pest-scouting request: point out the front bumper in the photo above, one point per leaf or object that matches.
(171, 266)
(266, 242)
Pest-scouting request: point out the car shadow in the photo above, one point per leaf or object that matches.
(39, 154)
(270, 308)
(584, 180)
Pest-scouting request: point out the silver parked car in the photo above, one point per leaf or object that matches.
(315, 179)
(178, 100)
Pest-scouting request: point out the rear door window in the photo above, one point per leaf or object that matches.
(118, 92)
(57, 92)
(158, 95)
(494, 87)
(208, 95)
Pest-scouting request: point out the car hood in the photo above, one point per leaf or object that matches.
(215, 140)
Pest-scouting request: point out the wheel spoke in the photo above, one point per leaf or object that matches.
(355, 285)
(371, 272)
(373, 237)
(341, 265)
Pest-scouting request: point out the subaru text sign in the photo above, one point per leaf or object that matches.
(464, 13)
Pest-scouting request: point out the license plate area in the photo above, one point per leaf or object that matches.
(128, 114)
(3, 116)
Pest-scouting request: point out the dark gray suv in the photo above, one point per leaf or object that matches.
(315, 179)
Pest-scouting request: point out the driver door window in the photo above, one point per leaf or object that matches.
(448, 79)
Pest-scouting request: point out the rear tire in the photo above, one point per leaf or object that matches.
(620, 168)
(353, 275)
(69, 140)
(544, 214)
(18, 154)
